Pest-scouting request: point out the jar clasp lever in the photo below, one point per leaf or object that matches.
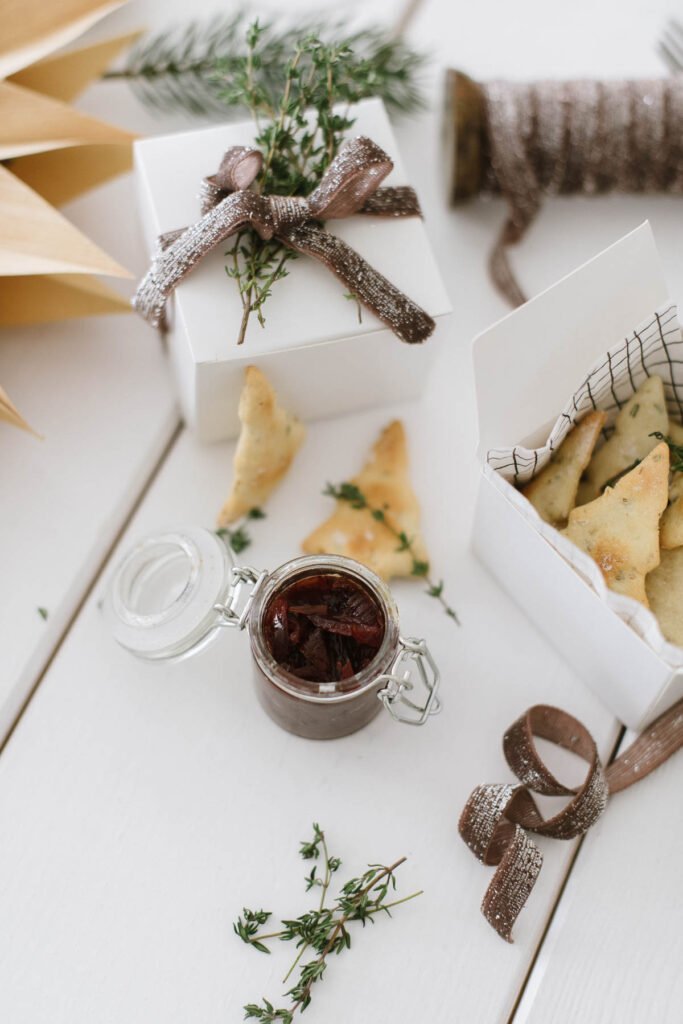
(416, 654)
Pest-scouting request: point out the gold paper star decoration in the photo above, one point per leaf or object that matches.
(50, 153)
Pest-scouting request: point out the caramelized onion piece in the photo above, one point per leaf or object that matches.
(324, 628)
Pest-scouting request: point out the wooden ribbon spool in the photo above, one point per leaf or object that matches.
(465, 138)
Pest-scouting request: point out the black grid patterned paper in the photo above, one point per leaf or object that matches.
(655, 347)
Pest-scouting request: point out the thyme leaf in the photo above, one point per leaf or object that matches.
(237, 538)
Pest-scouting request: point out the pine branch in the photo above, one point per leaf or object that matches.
(192, 67)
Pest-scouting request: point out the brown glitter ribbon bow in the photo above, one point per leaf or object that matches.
(349, 186)
(497, 818)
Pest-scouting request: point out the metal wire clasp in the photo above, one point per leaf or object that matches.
(240, 576)
(416, 654)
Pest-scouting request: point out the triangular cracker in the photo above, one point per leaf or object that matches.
(671, 526)
(553, 491)
(665, 590)
(268, 442)
(675, 432)
(643, 414)
(385, 483)
(620, 529)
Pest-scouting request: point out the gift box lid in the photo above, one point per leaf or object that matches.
(526, 364)
(309, 306)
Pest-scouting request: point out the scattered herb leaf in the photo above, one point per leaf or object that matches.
(237, 538)
(43, 612)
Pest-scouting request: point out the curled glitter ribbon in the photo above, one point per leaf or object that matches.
(349, 186)
(497, 818)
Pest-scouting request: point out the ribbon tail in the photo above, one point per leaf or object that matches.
(403, 316)
(512, 883)
(177, 259)
(501, 271)
(497, 818)
(653, 747)
(392, 201)
(494, 839)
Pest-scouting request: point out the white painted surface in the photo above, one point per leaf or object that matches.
(141, 807)
(614, 951)
(99, 392)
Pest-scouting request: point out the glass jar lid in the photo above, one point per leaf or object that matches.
(163, 596)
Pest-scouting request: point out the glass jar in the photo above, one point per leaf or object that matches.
(174, 593)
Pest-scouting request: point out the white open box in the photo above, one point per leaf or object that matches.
(526, 367)
(320, 359)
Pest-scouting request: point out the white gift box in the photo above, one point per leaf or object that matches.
(320, 359)
(588, 341)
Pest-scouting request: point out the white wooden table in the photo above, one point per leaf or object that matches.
(142, 807)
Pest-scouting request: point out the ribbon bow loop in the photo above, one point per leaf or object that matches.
(237, 171)
(350, 185)
(356, 172)
(496, 819)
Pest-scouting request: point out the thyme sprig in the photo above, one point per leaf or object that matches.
(192, 66)
(675, 452)
(352, 494)
(293, 81)
(299, 131)
(325, 929)
(237, 538)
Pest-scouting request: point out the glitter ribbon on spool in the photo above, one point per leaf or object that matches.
(497, 818)
(528, 140)
(349, 186)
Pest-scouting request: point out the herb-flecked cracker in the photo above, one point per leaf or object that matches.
(644, 414)
(664, 587)
(553, 491)
(671, 527)
(620, 529)
(675, 432)
(357, 533)
(268, 442)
